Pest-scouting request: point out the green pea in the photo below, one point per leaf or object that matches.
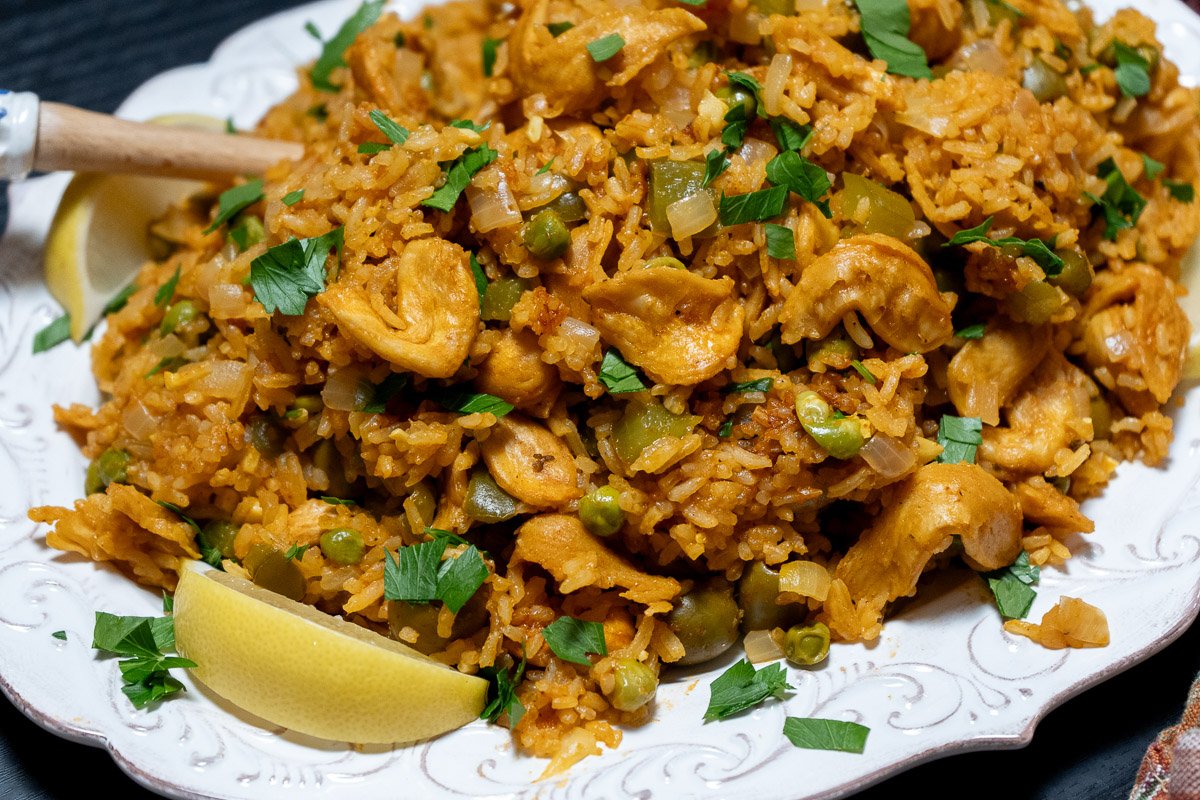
(219, 534)
(634, 685)
(643, 424)
(600, 512)
(806, 644)
(247, 231)
(264, 435)
(501, 295)
(1102, 418)
(569, 206)
(836, 350)
(1035, 304)
(1046, 84)
(111, 466)
(841, 438)
(487, 502)
(272, 570)
(666, 261)
(343, 545)
(734, 96)
(1077, 273)
(706, 622)
(757, 591)
(178, 315)
(546, 235)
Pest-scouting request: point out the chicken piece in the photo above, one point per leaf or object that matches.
(677, 326)
(1135, 335)
(986, 372)
(882, 279)
(1050, 415)
(514, 371)
(436, 313)
(936, 503)
(563, 71)
(531, 463)
(562, 546)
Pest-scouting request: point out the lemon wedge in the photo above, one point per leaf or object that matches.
(312, 673)
(1190, 278)
(99, 239)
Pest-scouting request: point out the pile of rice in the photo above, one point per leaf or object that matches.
(1064, 398)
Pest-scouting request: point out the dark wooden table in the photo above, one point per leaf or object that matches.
(93, 53)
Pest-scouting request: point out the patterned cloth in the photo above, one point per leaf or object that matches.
(1171, 768)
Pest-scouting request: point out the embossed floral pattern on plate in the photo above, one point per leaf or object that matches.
(944, 678)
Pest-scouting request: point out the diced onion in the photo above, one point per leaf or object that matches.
(857, 332)
(761, 646)
(138, 422)
(167, 346)
(676, 105)
(226, 301)
(225, 379)
(492, 207)
(691, 215)
(887, 456)
(980, 56)
(579, 332)
(542, 189)
(805, 578)
(773, 86)
(343, 389)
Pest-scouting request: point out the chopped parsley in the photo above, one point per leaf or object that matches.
(53, 334)
(546, 167)
(177, 511)
(465, 402)
(145, 670)
(449, 536)
(371, 148)
(469, 125)
(333, 50)
(781, 242)
(418, 574)
(617, 376)
(383, 392)
(235, 200)
(754, 206)
(118, 300)
(1153, 168)
(736, 125)
(458, 176)
(1012, 587)
(489, 55)
(975, 331)
(1038, 250)
(741, 687)
(288, 274)
(396, 134)
(826, 734)
(559, 28)
(162, 297)
(460, 577)
(885, 27)
(714, 164)
(1120, 203)
(1182, 191)
(750, 84)
(291, 198)
(294, 552)
(573, 639)
(801, 176)
(726, 429)
(862, 370)
(338, 501)
(959, 438)
(60, 635)
(166, 364)
(502, 694)
(1132, 71)
(790, 135)
(481, 281)
(760, 385)
(605, 47)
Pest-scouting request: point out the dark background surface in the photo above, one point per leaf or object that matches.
(93, 54)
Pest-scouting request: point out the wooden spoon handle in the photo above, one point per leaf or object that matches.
(71, 138)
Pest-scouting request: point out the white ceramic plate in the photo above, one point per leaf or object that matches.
(943, 679)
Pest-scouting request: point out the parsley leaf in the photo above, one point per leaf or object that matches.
(1011, 587)
(826, 734)
(885, 27)
(741, 687)
(489, 55)
(291, 198)
(714, 164)
(60, 635)
(1182, 191)
(790, 135)
(726, 429)
(460, 577)
(383, 392)
(413, 576)
(395, 133)
(465, 402)
(371, 148)
(557, 29)
(572, 639)
(959, 437)
(234, 200)
(294, 552)
(53, 334)
(468, 125)
(166, 364)
(452, 538)
(1036, 249)
(118, 300)
(862, 370)
(458, 176)
(617, 376)
(1132, 72)
(177, 511)
(502, 694)
(736, 125)
(605, 47)
(162, 297)
(332, 51)
(749, 83)
(1153, 168)
(288, 274)
(142, 640)
(781, 242)
(760, 385)
(338, 501)
(1121, 204)
(754, 206)
(481, 281)
(801, 176)
(975, 331)
(546, 167)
